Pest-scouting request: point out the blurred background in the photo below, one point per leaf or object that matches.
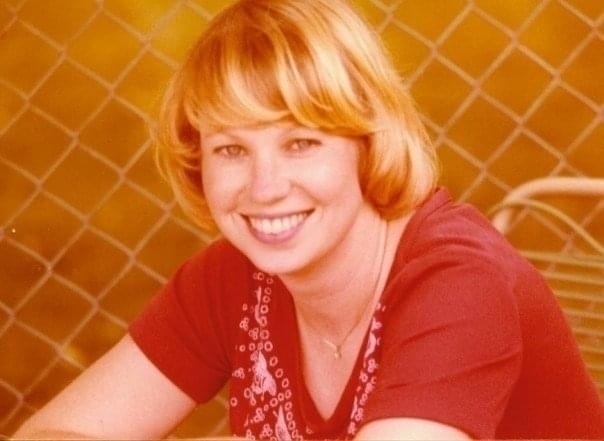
(510, 91)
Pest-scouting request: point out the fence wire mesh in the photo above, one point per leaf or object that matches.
(509, 90)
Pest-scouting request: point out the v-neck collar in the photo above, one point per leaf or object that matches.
(321, 427)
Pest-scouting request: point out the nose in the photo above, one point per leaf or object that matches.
(269, 181)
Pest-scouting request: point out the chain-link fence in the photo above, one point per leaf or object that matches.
(510, 90)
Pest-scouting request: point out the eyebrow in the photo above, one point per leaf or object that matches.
(288, 128)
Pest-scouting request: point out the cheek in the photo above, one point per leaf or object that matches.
(213, 186)
(339, 177)
(346, 169)
(222, 187)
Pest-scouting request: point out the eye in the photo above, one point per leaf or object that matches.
(303, 144)
(229, 151)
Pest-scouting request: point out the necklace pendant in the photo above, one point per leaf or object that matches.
(337, 354)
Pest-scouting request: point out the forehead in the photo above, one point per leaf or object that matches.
(265, 130)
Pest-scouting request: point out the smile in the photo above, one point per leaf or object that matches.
(278, 225)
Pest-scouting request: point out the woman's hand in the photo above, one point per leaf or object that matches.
(409, 429)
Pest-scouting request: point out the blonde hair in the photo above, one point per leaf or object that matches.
(314, 62)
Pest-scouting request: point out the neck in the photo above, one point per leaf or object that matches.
(334, 296)
(331, 298)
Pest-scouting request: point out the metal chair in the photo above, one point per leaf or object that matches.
(573, 262)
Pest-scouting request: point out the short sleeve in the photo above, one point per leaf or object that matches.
(184, 329)
(451, 349)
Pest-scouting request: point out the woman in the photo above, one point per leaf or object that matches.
(348, 295)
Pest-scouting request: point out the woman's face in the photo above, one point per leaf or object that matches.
(286, 195)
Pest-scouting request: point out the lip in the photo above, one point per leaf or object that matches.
(276, 228)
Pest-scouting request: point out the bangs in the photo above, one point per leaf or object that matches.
(233, 84)
(245, 75)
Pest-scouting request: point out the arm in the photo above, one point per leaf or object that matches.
(409, 429)
(121, 396)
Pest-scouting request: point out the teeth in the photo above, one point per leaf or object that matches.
(277, 225)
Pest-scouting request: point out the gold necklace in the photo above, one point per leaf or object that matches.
(337, 348)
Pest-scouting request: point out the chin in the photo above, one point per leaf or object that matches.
(277, 267)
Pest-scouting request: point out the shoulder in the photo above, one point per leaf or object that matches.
(220, 262)
(200, 282)
(444, 224)
(454, 268)
(218, 253)
(444, 234)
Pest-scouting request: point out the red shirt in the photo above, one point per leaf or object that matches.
(467, 333)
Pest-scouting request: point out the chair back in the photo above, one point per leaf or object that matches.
(557, 223)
